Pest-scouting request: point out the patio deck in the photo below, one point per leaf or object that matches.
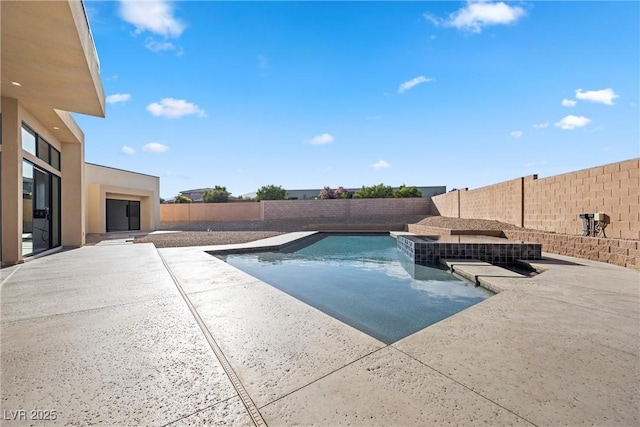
(124, 334)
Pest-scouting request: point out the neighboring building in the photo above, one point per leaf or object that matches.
(310, 194)
(194, 195)
(50, 68)
(119, 200)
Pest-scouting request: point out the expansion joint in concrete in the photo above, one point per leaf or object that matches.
(88, 310)
(170, 423)
(465, 386)
(324, 376)
(250, 406)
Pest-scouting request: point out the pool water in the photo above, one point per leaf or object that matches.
(361, 281)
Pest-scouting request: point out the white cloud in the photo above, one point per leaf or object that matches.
(171, 108)
(155, 16)
(322, 139)
(478, 14)
(604, 96)
(118, 97)
(412, 83)
(571, 122)
(517, 134)
(569, 102)
(541, 125)
(111, 78)
(127, 150)
(156, 46)
(155, 147)
(380, 165)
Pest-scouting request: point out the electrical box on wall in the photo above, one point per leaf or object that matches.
(599, 216)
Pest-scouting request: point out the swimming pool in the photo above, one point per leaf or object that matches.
(361, 281)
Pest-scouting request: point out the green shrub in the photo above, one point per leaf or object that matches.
(405, 192)
(216, 194)
(271, 192)
(181, 198)
(379, 191)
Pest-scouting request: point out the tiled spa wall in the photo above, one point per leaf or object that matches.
(424, 252)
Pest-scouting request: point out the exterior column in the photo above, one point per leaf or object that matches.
(73, 194)
(11, 181)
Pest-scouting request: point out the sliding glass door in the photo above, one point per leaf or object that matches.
(123, 215)
(40, 209)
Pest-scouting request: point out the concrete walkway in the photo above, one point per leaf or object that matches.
(124, 334)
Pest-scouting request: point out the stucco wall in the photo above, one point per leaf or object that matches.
(72, 175)
(108, 183)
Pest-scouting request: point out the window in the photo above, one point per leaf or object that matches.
(43, 149)
(55, 158)
(28, 140)
(39, 147)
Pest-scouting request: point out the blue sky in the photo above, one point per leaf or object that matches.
(310, 94)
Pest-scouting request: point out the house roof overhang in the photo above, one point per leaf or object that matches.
(49, 62)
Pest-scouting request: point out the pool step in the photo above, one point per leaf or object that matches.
(480, 272)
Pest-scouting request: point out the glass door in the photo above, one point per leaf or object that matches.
(123, 215)
(41, 211)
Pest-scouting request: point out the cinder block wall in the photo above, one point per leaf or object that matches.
(346, 208)
(501, 202)
(553, 204)
(548, 209)
(447, 204)
(203, 212)
(620, 252)
(270, 210)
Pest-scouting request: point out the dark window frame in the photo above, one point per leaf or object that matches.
(50, 148)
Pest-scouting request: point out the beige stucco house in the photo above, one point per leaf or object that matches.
(50, 68)
(120, 200)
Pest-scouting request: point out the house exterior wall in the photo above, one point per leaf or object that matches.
(104, 183)
(49, 68)
(14, 114)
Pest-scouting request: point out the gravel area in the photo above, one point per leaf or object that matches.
(204, 238)
(223, 233)
(465, 223)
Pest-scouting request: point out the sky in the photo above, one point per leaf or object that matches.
(313, 94)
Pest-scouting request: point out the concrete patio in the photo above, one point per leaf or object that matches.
(125, 334)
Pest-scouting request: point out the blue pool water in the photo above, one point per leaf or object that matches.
(361, 281)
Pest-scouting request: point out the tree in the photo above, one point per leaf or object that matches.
(181, 198)
(342, 193)
(327, 193)
(379, 191)
(405, 192)
(271, 192)
(216, 195)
